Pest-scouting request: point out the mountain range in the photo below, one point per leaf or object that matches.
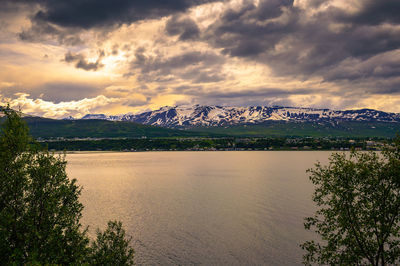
(218, 121)
(217, 116)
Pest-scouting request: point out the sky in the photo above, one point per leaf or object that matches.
(60, 58)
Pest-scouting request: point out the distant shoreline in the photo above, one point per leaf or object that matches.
(98, 152)
(214, 144)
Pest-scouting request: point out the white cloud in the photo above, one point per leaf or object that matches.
(50, 109)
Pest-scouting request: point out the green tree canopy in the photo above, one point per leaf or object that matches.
(358, 216)
(40, 210)
(111, 247)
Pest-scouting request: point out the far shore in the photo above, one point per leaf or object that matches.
(275, 150)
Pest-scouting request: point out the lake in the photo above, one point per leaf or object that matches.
(210, 208)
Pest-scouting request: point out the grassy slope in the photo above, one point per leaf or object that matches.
(307, 129)
(47, 128)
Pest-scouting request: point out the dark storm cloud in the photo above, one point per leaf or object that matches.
(375, 12)
(99, 13)
(183, 26)
(87, 14)
(198, 67)
(247, 32)
(271, 9)
(81, 61)
(292, 41)
(64, 20)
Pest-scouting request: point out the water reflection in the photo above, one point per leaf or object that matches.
(209, 208)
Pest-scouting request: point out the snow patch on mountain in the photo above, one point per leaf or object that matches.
(199, 115)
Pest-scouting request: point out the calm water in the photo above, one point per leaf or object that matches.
(231, 208)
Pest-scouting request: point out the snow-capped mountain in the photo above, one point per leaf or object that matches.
(198, 115)
(69, 118)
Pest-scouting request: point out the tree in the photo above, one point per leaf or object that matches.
(40, 210)
(358, 216)
(110, 247)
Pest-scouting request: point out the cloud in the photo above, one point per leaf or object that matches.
(55, 16)
(313, 40)
(66, 91)
(259, 93)
(262, 92)
(377, 12)
(196, 66)
(81, 61)
(55, 91)
(50, 109)
(183, 26)
(68, 22)
(383, 65)
(43, 31)
(325, 53)
(92, 13)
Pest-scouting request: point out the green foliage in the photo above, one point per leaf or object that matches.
(358, 216)
(353, 129)
(110, 247)
(51, 128)
(40, 210)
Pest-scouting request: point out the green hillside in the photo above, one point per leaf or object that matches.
(308, 129)
(50, 128)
